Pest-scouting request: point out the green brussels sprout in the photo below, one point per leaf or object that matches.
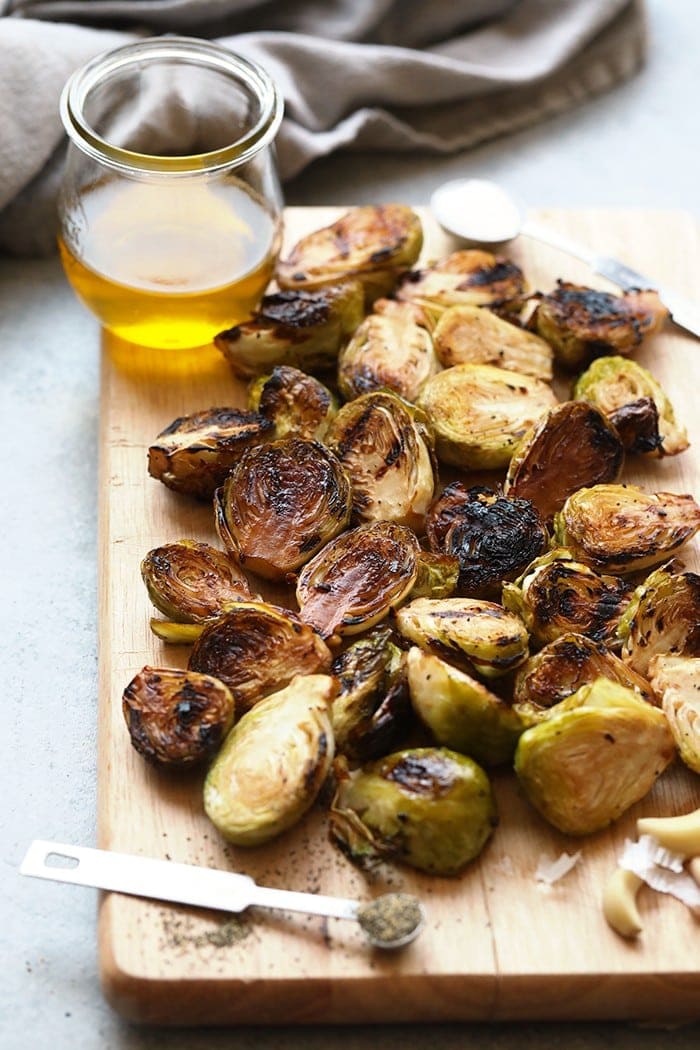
(192, 582)
(558, 594)
(273, 763)
(176, 718)
(474, 335)
(386, 449)
(620, 528)
(615, 383)
(570, 447)
(429, 808)
(256, 648)
(356, 579)
(492, 640)
(304, 329)
(392, 350)
(438, 575)
(479, 413)
(298, 405)
(176, 633)
(676, 679)
(460, 712)
(662, 617)
(470, 277)
(597, 754)
(284, 501)
(195, 453)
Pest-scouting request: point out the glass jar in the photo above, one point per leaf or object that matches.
(170, 207)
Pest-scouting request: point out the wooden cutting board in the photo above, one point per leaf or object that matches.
(499, 944)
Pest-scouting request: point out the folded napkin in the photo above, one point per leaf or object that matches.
(355, 74)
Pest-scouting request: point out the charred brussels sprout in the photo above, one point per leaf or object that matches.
(460, 712)
(616, 384)
(479, 413)
(465, 278)
(355, 581)
(620, 528)
(192, 582)
(572, 446)
(298, 405)
(196, 453)
(373, 244)
(493, 640)
(557, 595)
(663, 617)
(297, 328)
(384, 445)
(273, 763)
(638, 425)
(282, 504)
(676, 680)
(447, 508)
(257, 648)
(429, 808)
(474, 335)
(594, 757)
(176, 718)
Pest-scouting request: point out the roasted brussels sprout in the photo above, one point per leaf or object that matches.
(384, 445)
(493, 640)
(176, 718)
(471, 277)
(256, 649)
(355, 581)
(192, 582)
(298, 405)
(460, 712)
(582, 323)
(479, 413)
(474, 335)
(273, 763)
(390, 350)
(558, 594)
(663, 617)
(438, 575)
(373, 244)
(284, 501)
(572, 446)
(676, 680)
(638, 426)
(447, 508)
(195, 453)
(175, 633)
(597, 754)
(614, 384)
(430, 808)
(297, 328)
(620, 528)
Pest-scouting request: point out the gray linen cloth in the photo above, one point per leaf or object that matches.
(399, 75)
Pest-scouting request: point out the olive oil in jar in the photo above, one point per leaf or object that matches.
(169, 268)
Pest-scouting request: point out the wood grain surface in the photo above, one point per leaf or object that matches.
(499, 944)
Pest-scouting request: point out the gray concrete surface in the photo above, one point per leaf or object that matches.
(636, 146)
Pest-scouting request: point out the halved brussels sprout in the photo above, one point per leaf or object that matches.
(298, 405)
(582, 323)
(297, 328)
(470, 277)
(355, 581)
(475, 335)
(281, 505)
(479, 413)
(493, 640)
(196, 453)
(570, 447)
(614, 384)
(438, 575)
(273, 763)
(390, 350)
(598, 754)
(176, 718)
(620, 528)
(256, 648)
(558, 594)
(192, 582)
(429, 807)
(676, 679)
(384, 445)
(373, 244)
(446, 509)
(662, 618)
(460, 712)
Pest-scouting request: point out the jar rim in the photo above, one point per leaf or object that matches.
(199, 52)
